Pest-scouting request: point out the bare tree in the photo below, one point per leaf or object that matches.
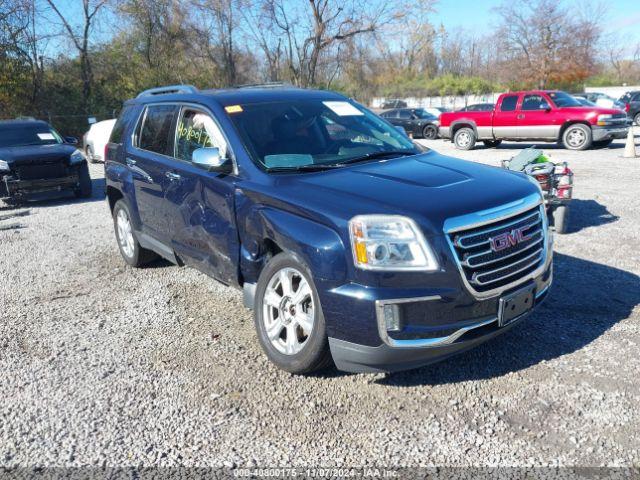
(80, 38)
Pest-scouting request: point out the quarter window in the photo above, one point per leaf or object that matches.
(154, 133)
(509, 103)
(197, 129)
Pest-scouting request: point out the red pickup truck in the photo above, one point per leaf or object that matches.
(537, 115)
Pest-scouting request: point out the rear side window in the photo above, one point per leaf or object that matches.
(119, 128)
(509, 103)
(405, 114)
(156, 128)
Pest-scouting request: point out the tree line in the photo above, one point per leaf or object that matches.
(67, 66)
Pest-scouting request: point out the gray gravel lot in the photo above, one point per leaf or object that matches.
(102, 364)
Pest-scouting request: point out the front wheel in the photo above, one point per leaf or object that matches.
(288, 317)
(464, 139)
(577, 137)
(430, 132)
(84, 189)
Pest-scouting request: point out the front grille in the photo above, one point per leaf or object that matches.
(486, 270)
(36, 172)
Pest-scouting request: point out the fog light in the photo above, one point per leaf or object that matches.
(391, 315)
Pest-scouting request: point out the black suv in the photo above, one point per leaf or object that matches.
(35, 158)
(631, 102)
(415, 121)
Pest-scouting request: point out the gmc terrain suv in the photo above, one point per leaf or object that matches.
(34, 158)
(350, 243)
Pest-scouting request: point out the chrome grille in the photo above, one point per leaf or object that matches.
(485, 269)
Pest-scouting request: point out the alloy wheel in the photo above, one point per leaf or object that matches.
(288, 311)
(125, 233)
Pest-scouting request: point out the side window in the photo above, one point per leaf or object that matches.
(636, 98)
(155, 129)
(197, 129)
(509, 103)
(534, 102)
(121, 124)
(405, 114)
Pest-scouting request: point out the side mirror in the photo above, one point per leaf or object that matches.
(547, 109)
(209, 159)
(71, 140)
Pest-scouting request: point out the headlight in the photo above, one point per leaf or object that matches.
(389, 242)
(4, 166)
(76, 157)
(604, 119)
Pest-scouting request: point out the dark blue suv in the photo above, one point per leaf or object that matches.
(350, 242)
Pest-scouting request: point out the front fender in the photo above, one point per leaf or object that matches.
(317, 245)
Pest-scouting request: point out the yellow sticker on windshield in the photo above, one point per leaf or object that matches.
(233, 109)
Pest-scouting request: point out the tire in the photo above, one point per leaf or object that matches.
(130, 249)
(561, 219)
(89, 154)
(492, 143)
(84, 191)
(602, 143)
(464, 139)
(293, 346)
(636, 119)
(577, 137)
(430, 132)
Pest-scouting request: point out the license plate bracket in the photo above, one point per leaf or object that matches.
(514, 305)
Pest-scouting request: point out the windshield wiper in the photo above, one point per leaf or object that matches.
(312, 167)
(374, 155)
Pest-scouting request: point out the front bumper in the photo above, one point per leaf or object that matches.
(609, 133)
(402, 354)
(12, 187)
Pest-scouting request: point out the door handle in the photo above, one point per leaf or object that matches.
(172, 176)
(130, 161)
(520, 116)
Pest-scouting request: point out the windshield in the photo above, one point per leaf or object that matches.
(562, 99)
(314, 133)
(21, 135)
(420, 113)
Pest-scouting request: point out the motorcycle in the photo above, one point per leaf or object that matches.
(555, 179)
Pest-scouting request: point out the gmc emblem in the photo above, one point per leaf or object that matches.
(509, 239)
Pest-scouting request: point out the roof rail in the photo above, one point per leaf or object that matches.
(264, 85)
(168, 89)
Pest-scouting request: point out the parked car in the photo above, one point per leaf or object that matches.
(96, 139)
(537, 115)
(349, 242)
(631, 101)
(34, 158)
(394, 103)
(415, 121)
(478, 107)
(601, 99)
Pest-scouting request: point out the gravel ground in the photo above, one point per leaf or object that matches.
(106, 365)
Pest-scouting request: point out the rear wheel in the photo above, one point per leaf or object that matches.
(429, 132)
(577, 137)
(130, 249)
(288, 317)
(636, 119)
(464, 139)
(84, 190)
(492, 143)
(561, 219)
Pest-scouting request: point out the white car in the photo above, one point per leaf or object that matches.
(436, 111)
(97, 138)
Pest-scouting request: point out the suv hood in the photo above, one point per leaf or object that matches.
(36, 154)
(427, 187)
